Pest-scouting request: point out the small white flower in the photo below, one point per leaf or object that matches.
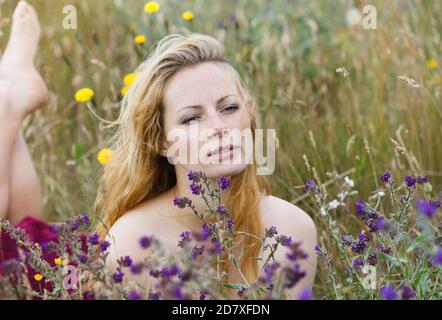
(381, 194)
(334, 204)
(322, 211)
(353, 17)
(341, 196)
(349, 182)
(343, 71)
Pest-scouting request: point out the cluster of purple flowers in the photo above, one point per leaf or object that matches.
(373, 219)
(410, 181)
(404, 293)
(357, 246)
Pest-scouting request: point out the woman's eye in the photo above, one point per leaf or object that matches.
(187, 120)
(231, 107)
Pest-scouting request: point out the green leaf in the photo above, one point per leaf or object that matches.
(235, 285)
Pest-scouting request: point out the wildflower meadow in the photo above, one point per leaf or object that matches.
(353, 91)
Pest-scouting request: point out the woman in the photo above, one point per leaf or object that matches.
(186, 82)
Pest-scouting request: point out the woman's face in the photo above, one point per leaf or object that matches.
(205, 122)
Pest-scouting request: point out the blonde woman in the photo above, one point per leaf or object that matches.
(185, 81)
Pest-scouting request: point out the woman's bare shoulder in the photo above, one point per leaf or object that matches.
(126, 232)
(288, 218)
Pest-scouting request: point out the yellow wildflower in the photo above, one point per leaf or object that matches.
(187, 15)
(84, 95)
(431, 64)
(129, 78)
(140, 39)
(104, 156)
(124, 90)
(38, 277)
(60, 262)
(152, 7)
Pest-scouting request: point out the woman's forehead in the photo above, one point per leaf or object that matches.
(198, 85)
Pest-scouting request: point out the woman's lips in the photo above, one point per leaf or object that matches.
(222, 150)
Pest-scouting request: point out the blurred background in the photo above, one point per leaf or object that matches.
(342, 98)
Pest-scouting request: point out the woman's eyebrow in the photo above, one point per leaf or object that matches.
(199, 106)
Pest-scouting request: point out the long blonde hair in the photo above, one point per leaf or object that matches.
(137, 171)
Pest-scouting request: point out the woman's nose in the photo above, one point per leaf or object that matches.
(218, 126)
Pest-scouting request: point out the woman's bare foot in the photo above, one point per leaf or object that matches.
(22, 89)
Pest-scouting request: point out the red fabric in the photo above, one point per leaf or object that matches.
(39, 232)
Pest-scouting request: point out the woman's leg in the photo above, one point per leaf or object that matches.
(21, 91)
(25, 196)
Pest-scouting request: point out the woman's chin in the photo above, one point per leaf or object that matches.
(217, 170)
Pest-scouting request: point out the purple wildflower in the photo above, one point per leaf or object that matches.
(242, 293)
(284, 240)
(85, 219)
(347, 240)
(224, 183)
(94, 239)
(386, 176)
(296, 252)
(388, 292)
(197, 251)
(293, 275)
(271, 232)
(425, 208)
(221, 210)
(217, 246)
(196, 190)
(361, 207)
(155, 273)
(385, 250)
(82, 258)
(88, 295)
(178, 293)
(410, 181)
(190, 175)
(422, 179)
(104, 245)
(437, 260)
(145, 242)
(360, 245)
(136, 268)
(230, 224)
(358, 263)
(118, 276)
(435, 203)
(269, 271)
(126, 261)
(153, 296)
(185, 237)
(306, 294)
(372, 259)
(134, 295)
(203, 294)
(169, 272)
(207, 232)
(377, 224)
(406, 293)
(180, 202)
(309, 184)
